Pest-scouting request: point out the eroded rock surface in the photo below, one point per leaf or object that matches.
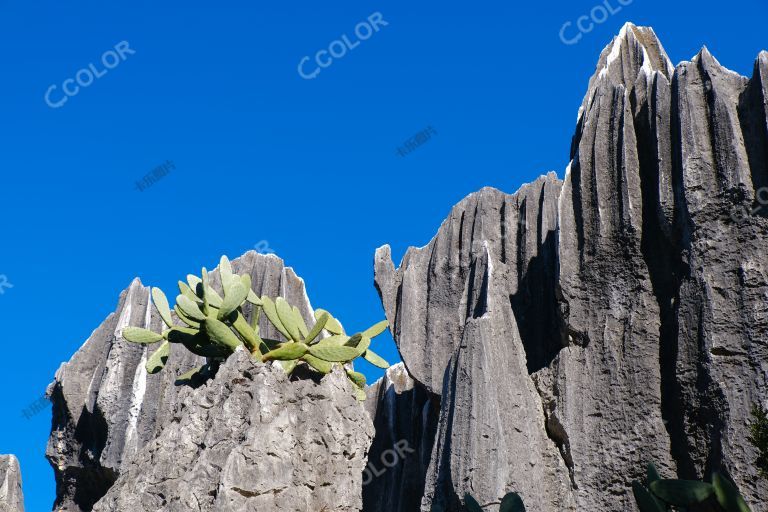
(11, 495)
(251, 440)
(106, 407)
(618, 317)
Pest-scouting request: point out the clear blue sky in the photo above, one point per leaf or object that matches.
(310, 166)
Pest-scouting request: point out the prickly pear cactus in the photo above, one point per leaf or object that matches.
(214, 326)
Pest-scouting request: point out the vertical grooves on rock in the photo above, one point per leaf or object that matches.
(662, 256)
(503, 229)
(521, 238)
(754, 126)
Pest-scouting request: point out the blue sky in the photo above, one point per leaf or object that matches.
(261, 154)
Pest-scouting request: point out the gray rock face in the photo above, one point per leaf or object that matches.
(474, 312)
(106, 407)
(11, 496)
(575, 331)
(251, 440)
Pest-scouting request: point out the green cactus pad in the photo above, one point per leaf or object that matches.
(161, 303)
(285, 313)
(375, 359)
(472, 504)
(316, 329)
(332, 326)
(221, 334)
(189, 308)
(682, 493)
(357, 378)
(728, 495)
(185, 290)
(190, 376)
(289, 366)
(321, 366)
(234, 296)
(512, 502)
(336, 340)
(141, 336)
(376, 329)
(271, 311)
(197, 342)
(193, 281)
(354, 341)
(252, 341)
(184, 318)
(286, 352)
(300, 322)
(652, 474)
(225, 272)
(159, 357)
(334, 354)
(646, 502)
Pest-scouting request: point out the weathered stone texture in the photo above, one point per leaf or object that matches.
(11, 495)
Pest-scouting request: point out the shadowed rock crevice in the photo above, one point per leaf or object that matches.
(405, 419)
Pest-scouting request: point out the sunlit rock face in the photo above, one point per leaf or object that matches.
(109, 414)
(11, 495)
(574, 331)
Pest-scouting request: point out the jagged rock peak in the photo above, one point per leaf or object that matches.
(106, 408)
(518, 230)
(11, 496)
(252, 439)
(634, 51)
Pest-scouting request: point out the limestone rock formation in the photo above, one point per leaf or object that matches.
(576, 330)
(11, 495)
(106, 408)
(251, 440)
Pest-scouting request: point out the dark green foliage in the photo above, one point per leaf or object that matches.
(471, 504)
(214, 327)
(758, 430)
(512, 502)
(660, 495)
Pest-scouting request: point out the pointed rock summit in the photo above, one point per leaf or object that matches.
(636, 52)
(577, 330)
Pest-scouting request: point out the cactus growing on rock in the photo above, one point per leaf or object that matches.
(215, 326)
(660, 495)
